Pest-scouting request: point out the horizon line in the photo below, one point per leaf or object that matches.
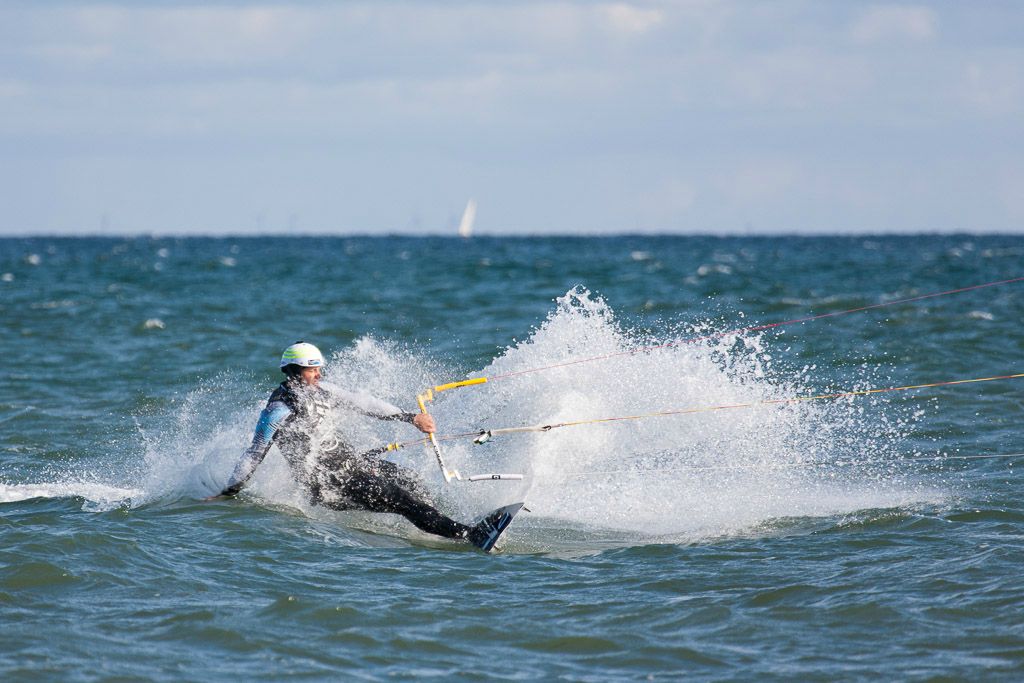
(170, 234)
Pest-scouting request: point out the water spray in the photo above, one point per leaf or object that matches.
(755, 328)
(483, 436)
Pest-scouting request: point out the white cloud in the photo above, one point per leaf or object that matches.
(885, 23)
(91, 22)
(11, 87)
(994, 84)
(630, 19)
(82, 54)
(216, 35)
(799, 78)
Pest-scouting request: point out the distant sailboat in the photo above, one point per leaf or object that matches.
(468, 216)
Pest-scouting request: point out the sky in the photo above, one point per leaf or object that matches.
(675, 116)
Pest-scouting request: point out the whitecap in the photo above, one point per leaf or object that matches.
(95, 493)
(707, 269)
(50, 305)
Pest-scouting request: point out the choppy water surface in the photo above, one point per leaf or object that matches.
(775, 539)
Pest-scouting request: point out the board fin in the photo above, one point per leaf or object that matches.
(488, 530)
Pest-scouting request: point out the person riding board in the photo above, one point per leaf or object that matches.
(296, 419)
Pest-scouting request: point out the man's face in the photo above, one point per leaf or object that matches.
(310, 376)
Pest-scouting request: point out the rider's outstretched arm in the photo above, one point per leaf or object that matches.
(371, 406)
(271, 419)
(382, 410)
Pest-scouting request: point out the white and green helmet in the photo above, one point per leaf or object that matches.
(303, 354)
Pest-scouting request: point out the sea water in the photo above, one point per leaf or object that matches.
(725, 529)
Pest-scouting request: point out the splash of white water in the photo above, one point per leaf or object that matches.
(675, 477)
(683, 475)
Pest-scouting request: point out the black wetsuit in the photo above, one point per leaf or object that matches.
(337, 477)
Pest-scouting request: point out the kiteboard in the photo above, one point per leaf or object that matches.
(488, 530)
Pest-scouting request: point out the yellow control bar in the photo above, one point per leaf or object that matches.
(426, 397)
(463, 383)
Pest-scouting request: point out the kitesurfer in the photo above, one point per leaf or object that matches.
(297, 418)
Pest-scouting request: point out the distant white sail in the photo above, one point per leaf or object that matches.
(468, 216)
